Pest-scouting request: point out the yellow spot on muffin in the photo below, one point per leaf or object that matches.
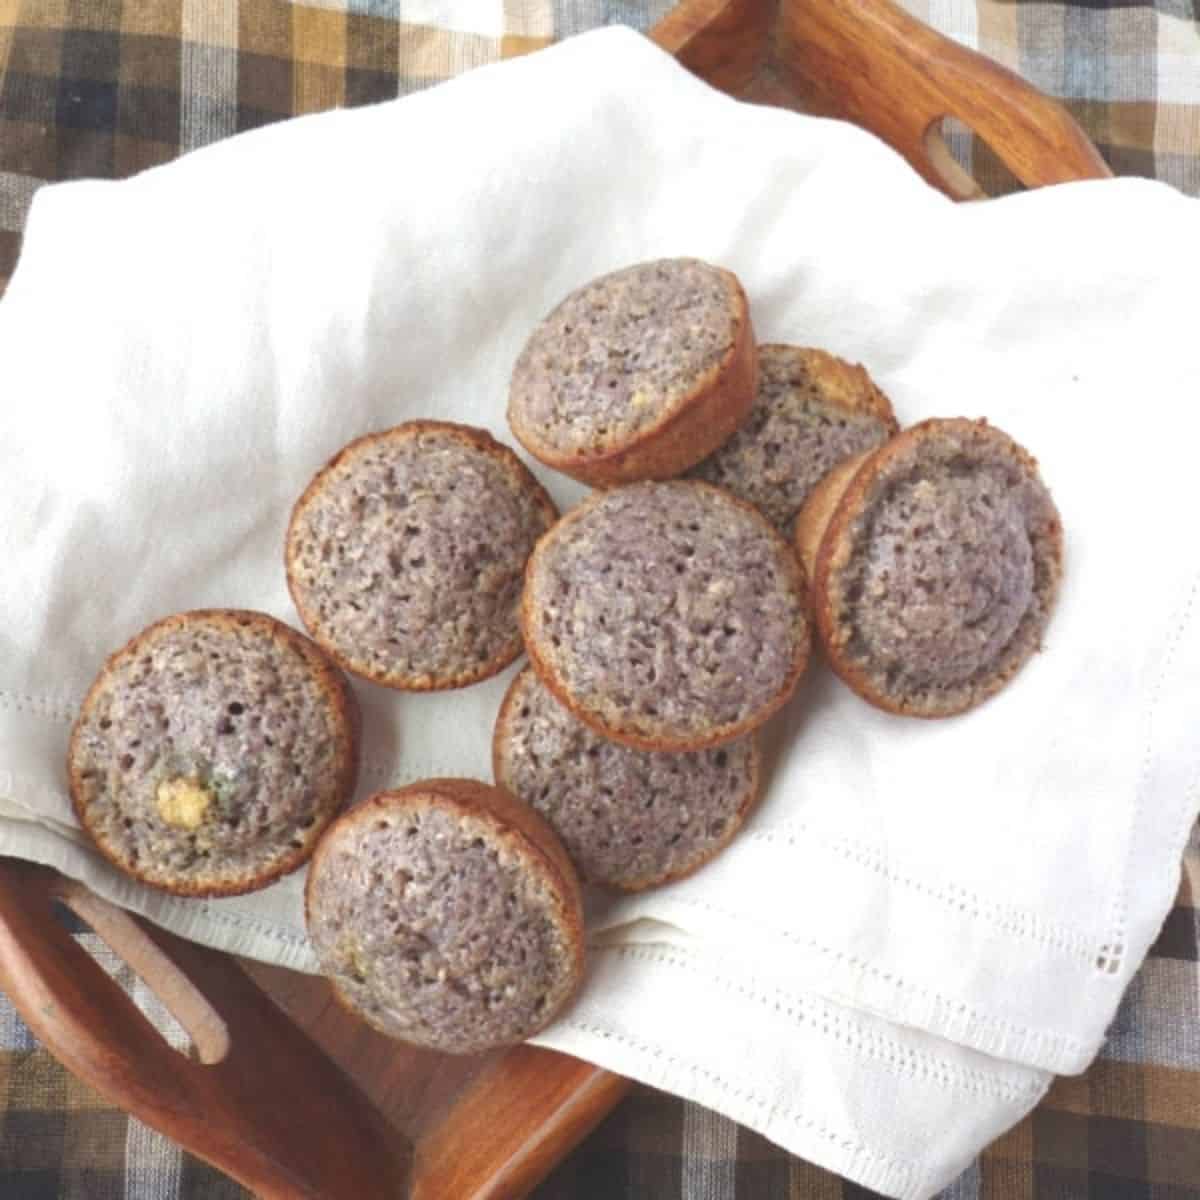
(359, 962)
(183, 803)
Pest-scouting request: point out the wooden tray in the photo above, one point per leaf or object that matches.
(297, 1099)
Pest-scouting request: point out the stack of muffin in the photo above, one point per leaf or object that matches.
(746, 497)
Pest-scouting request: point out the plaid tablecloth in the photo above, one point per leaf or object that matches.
(107, 87)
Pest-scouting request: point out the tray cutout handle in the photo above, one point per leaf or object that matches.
(874, 63)
(955, 178)
(130, 943)
(272, 1110)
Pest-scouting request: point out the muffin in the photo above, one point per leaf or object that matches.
(936, 561)
(666, 616)
(405, 554)
(211, 752)
(637, 375)
(629, 819)
(811, 412)
(446, 914)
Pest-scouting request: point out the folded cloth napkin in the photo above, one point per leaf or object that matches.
(923, 920)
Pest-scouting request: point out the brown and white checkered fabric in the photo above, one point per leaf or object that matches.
(1127, 70)
(103, 88)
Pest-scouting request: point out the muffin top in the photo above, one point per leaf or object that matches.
(444, 921)
(630, 819)
(667, 616)
(623, 353)
(940, 566)
(811, 412)
(405, 554)
(212, 751)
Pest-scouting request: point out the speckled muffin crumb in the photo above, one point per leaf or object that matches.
(445, 914)
(406, 552)
(939, 568)
(638, 374)
(212, 751)
(629, 819)
(667, 616)
(811, 412)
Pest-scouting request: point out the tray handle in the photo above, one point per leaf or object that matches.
(130, 943)
(874, 63)
(267, 1107)
(871, 62)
